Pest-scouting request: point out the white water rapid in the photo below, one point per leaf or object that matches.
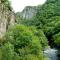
(51, 54)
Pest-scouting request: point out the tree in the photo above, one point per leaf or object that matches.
(27, 41)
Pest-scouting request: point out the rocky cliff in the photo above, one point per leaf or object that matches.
(28, 12)
(6, 17)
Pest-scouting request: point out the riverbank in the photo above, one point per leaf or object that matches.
(51, 54)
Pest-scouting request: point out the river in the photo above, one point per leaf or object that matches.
(51, 54)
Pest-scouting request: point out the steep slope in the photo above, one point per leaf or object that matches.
(47, 18)
(28, 12)
(6, 16)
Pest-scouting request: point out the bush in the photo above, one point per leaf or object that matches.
(7, 51)
(56, 39)
(26, 41)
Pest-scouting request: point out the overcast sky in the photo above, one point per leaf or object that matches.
(18, 5)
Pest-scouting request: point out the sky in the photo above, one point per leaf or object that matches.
(18, 5)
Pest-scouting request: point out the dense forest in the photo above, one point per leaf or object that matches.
(28, 38)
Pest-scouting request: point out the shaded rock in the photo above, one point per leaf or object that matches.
(6, 18)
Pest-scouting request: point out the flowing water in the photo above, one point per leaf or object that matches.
(51, 54)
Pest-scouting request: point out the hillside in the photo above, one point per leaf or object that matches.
(33, 34)
(28, 12)
(47, 18)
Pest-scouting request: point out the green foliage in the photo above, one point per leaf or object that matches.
(22, 42)
(18, 18)
(47, 19)
(23, 21)
(7, 51)
(6, 4)
(27, 41)
(51, 1)
(56, 39)
(52, 27)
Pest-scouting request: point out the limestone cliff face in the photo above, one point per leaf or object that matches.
(28, 12)
(6, 18)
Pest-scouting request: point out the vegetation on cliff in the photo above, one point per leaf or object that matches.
(28, 38)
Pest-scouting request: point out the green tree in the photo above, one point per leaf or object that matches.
(27, 41)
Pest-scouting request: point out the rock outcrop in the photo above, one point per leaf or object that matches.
(28, 12)
(6, 18)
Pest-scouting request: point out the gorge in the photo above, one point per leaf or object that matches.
(33, 34)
